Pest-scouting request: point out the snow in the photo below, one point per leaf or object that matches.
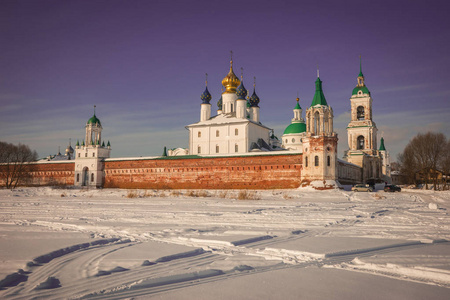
(304, 243)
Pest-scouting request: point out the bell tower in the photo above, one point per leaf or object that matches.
(320, 143)
(362, 130)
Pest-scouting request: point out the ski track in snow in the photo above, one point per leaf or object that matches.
(375, 233)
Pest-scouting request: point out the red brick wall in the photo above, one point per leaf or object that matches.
(47, 174)
(245, 172)
(53, 174)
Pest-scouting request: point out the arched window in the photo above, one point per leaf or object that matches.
(316, 123)
(92, 177)
(217, 133)
(93, 154)
(360, 142)
(217, 148)
(79, 154)
(293, 140)
(306, 161)
(199, 149)
(199, 134)
(286, 141)
(316, 161)
(236, 131)
(78, 177)
(85, 155)
(231, 107)
(328, 161)
(236, 148)
(360, 113)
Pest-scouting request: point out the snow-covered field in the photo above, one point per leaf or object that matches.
(284, 244)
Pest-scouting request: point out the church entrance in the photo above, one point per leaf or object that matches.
(85, 177)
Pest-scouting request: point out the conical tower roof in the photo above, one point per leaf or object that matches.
(319, 97)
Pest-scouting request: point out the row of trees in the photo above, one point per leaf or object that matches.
(426, 158)
(14, 163)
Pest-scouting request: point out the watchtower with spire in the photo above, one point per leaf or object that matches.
(320, 142)
(90, 155)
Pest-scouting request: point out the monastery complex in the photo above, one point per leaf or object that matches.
(232, 148)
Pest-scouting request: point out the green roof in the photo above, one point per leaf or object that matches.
(295, 128)
(363, 89)
(382, 148)
(94, 120)
(297, 106)
(319, 97)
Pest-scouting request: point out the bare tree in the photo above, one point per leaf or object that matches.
(15, 163)
(423, 154)
(444, 165)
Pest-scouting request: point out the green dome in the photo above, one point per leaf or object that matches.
(363, 89)
(295, 128)
(94, 120)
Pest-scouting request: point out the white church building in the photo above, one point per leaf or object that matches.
(236, 128)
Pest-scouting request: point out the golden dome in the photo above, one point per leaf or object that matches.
(231, 82)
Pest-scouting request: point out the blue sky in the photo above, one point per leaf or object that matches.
(143, 64)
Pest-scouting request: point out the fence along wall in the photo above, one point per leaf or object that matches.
(243, 172)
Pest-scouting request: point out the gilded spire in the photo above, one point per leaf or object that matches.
(231, 82)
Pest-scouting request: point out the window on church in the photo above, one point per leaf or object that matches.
(79, 154)
(199, 134)
(328, 161)
(217, 148)
(85, 155)
(217, 133)
(286, 141)
(78, 177)
(93, 154)
(92, 177)
(236, 131)
(199, 149)
(293, 140)
(231, 107)
(360, 113)
(236, 147)
(306, 161)
(316, 123)
(316, 161)
(360, 142)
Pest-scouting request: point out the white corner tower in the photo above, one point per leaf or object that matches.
(90, 155)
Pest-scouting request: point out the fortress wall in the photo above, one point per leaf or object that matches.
(42, 174)
(240, 172)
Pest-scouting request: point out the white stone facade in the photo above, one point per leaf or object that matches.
(89, 157)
